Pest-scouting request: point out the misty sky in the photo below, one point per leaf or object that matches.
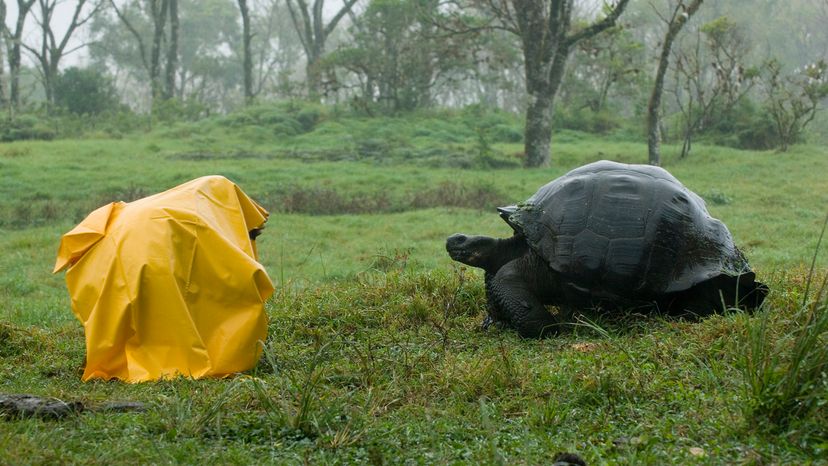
(60, 21)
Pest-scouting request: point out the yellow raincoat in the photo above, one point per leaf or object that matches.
(170, 284)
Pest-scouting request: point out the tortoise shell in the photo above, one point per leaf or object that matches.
(617, 230)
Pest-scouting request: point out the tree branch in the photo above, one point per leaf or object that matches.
(141, 47)
(303, 29)
(333, 22)
(595, 28)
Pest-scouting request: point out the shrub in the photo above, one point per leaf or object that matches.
(744, 126)
(506, 133)
(286, 128)
(758, 133)
(285, 119)
(176, 109)
(786, 383)
(26, 127)
(452, 194)
(308, 116)
(785, 378)
(237, 119)
(85, 91)
(601, 122)
(794, 100)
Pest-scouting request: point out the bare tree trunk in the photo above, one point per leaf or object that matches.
(313, 33)
(3, 37)
(686, 145)
(13, 47)
(542, 86)
(653, 108)
(546, 39)
(51, 49)
(158, 11)
(46, 10)
(172, 51)
(538, 132)
(247, 64)
(679, 18)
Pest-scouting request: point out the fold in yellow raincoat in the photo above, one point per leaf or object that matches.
(170, 284)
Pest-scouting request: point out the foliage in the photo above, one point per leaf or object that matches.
(606, 70)
(711, 77)
(175, 110)
(746, 125)
(406, 55)
(112, 123)
(24, 127)
(495, 77)
(793, 100)
(85, 91)
(584, 119)
(284, 119)
(786, 379)
(208, 30)
(398, 56)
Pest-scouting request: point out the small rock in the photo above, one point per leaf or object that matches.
(568, 459)
(18, 406)
(696, 451)
(23, 406)
(584, 347)
(621, 441)
(624, 441)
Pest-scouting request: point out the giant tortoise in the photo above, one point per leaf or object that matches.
(608, 236)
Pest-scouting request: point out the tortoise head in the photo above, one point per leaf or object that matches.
(484, 252)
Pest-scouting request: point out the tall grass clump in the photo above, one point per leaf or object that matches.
(787, 376)
(295, 404)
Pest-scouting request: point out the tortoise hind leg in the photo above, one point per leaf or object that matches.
(751, 293)
(718, 295)
(512, 293)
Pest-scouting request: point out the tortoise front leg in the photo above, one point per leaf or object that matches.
(494, 314)
(514, 294)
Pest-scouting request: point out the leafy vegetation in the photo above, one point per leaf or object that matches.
(731, 79)
(786, 378)
(374, 351)
(85, 92)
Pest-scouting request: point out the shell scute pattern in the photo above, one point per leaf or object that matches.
(620, 229)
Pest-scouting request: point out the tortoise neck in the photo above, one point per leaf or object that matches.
(508, 249)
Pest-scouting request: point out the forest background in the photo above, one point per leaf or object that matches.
(746, 74)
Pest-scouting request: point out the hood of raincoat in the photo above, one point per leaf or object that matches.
(169, 285)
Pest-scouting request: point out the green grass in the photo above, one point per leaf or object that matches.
(374, 351)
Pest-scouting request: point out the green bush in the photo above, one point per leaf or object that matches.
(176, 109)
(286, 128)
(505, 133)
(235, 120)
(85, 91)
(498, 125)
(745, 126)
(273, 117)
(26, 127)
(759, 133)
(600, 122)
(308, 117)
(285, 119)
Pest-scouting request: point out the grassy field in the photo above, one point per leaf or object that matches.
(374, 351)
